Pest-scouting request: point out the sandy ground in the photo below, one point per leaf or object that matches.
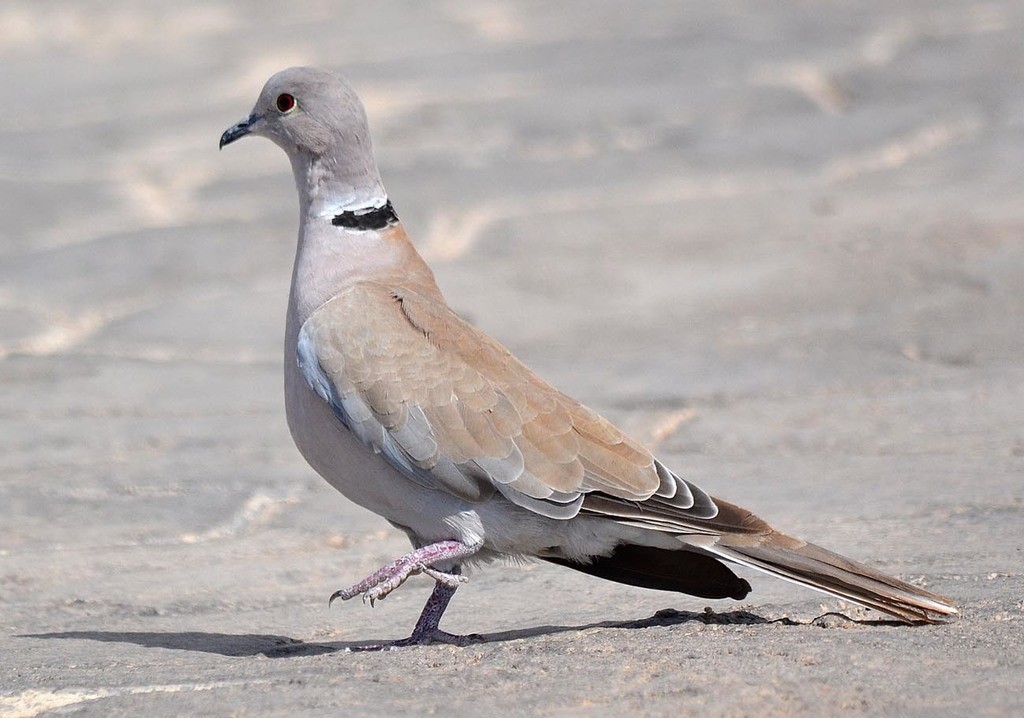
(782, 242)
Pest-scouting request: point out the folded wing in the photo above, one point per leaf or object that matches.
(454, 410)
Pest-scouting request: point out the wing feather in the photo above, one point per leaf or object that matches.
(453, 409)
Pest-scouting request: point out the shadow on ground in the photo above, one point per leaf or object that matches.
(272, 646)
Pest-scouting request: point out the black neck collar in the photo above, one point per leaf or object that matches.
(370, 218)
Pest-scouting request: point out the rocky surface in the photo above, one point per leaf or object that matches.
(783, 243)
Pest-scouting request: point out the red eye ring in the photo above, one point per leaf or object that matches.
(285, 102)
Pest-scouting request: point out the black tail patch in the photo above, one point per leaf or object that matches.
(680, 571)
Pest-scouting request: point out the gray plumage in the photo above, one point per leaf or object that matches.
(418, 416)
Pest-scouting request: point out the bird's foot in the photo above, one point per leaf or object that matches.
(420, 638)
(426, 630)
(395, 578)
(387, 578)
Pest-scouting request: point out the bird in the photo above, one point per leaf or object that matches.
(412, 412)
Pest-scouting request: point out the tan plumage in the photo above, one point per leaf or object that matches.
(449, 393)
(421, 417)
(446, 391)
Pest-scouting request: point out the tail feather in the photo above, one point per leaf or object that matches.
(736, 535)
(823, 570)
(665, 570)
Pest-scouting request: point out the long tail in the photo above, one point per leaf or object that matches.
(812, 566)
(735, 535)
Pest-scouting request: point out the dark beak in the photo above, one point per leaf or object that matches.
(238, 130)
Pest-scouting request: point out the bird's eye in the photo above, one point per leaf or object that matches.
(285, 102)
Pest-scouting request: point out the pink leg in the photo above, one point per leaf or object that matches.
(387, 578)
(426, 630)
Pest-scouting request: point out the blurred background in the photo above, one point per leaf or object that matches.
(783, 243)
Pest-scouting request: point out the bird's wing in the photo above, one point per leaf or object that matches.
(453, 409)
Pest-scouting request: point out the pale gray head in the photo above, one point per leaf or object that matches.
(316, 117)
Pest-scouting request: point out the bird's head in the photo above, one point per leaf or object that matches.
(316, 117)
(306, 110)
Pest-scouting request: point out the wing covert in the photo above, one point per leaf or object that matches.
(453, 410)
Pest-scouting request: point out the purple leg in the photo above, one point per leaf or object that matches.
(386, 579)
(426, 630)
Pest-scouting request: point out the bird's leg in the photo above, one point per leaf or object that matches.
(426, 630)
(387, 578)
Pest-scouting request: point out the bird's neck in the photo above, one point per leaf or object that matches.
(366, 218)
(329, 186)
(331, 259)
(349, 233)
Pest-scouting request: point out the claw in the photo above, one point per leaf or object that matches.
(451, 580)
(386, 579)
(393, 575)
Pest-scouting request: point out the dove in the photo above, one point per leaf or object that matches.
(413, 413)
